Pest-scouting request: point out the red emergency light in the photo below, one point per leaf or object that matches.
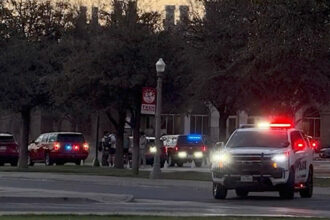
(299, 145)
(314, 144)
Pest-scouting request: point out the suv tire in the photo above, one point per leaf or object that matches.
(308, 191)
(287, 190)
(14, 163)
(48, 161)
(179, 163)
(242, 192)
(198, 163)
(219, 191)
(171, 162)
(30, 162)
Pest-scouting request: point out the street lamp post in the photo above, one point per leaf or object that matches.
(96, 162)
(160, 67)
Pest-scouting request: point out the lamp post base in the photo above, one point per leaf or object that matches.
(155, 174)
(96, 163)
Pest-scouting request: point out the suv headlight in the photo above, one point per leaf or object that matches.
(153, 149)
(280, 158)
(182, 154)
(198, 154)
(223, 158)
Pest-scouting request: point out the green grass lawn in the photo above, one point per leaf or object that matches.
(105, 171)
(90, 217)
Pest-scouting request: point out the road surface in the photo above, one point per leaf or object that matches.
(59, 193)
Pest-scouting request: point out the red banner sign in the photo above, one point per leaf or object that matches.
(149, 97)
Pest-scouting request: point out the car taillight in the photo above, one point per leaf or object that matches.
(56, 146)
(176, 148)
(314, 145)
(204, 148)
(299, 145)
(75, 147)
(86, 146)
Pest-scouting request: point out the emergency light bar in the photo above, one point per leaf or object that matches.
(194, 137)
(274, 125)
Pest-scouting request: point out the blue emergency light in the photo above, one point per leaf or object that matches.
(68, 147)
(194, 137)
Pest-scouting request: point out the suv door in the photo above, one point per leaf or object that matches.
(43, 147)
(33, 148)
(301, 157)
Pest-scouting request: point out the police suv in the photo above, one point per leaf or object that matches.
(265, 157)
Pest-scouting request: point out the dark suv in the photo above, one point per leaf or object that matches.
(186, 148)
(8, 150)
(59, 148)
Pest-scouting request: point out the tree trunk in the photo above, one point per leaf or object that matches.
(119, 162)
(136, 144)
(23, 153)
(223, 126)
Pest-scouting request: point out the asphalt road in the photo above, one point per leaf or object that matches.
(150, 197)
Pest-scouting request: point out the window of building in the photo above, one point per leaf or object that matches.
(311, 124)
(199, 124)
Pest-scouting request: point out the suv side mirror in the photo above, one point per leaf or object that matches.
(219, 145)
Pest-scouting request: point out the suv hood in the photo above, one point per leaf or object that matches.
(255, 150)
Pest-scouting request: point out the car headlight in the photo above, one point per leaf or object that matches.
(280, 158)
(198, 154)
(182, 154)
(153, 149)
(223, 158)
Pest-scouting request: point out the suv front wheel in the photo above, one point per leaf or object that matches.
(48, 161)
(308, 191)
(287, 190)
(219, 191)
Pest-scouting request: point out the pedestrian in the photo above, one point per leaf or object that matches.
(142, 149)
(106, 145)
(112, 152)
(126, 146)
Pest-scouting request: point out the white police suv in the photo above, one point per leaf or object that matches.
(265, 157)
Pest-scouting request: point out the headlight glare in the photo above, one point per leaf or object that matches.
(223, 158)
(280, 158)
(182, 154)
(153, 149)
(198, 154)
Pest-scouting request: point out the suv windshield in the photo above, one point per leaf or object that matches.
(266, 138)
(7, 139)
(70, 138)
(185, 140)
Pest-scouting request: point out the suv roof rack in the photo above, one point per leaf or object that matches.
(247, 126)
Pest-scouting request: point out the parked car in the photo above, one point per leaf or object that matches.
(151, 151)
(59, 148)
(325, 152)
(8, 149)
(186, 148)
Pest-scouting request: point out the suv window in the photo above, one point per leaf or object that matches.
(52, 138)
(184, 140)
(38, 140)
(70, 138)
(263, 138)
(44, 138)
(295, 135)
(7, 138)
